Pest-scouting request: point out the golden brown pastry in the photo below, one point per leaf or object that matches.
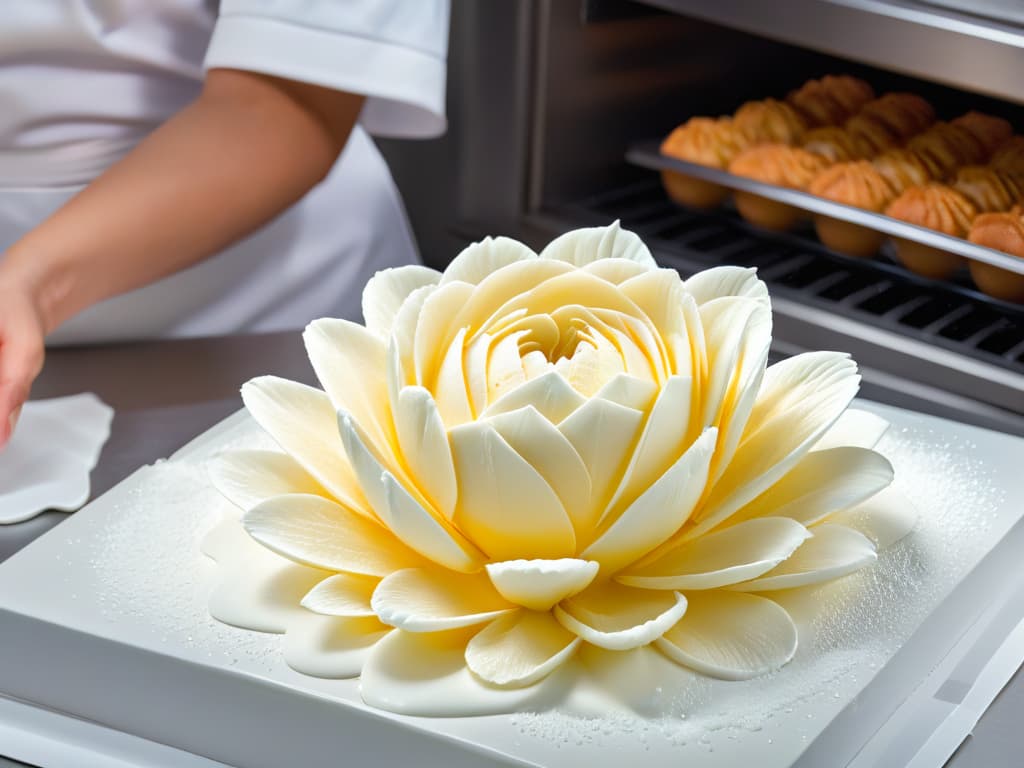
(706, 141)
(770, 121)
(902, 168)
(852, 92)
(777, 164)
(817, 105)
(989, 189)
(944, 147)
(904, 113)
(835, 144)
(871, 135)
(935, 206)
(858, 184)
(1010, 156)
(991, 131)
(1003, 232)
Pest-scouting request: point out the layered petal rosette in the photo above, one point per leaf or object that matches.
(528, 453)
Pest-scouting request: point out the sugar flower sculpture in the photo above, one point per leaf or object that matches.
(528, 454)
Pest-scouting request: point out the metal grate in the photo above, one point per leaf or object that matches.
(879, 292)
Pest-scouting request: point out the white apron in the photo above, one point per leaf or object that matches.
(82, 81)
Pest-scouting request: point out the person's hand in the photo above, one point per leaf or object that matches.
(22, 334)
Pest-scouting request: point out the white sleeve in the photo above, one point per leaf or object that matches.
(394, 52)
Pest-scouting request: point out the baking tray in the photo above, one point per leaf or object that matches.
(85, 633)
(648, 155)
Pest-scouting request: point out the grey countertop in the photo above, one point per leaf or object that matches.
(166, 392)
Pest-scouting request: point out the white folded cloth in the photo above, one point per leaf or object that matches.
(47, 463)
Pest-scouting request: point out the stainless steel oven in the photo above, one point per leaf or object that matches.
(548, 96)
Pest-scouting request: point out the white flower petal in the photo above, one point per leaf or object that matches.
(855, 427)
(416, 673)
(660, 294)
(588, 428)
(430, 600)
(479, 260)
(343, 594)
(551, 454)
(539, 584)
(630, 391)
(520, 649)
(661, 443)
(731, 636)
(315, 531)
(884, 518)
(406, 513)
(302, 421)
(423, 533)
(504, 505)
(434, 328)
(726, 281)
(332, 647)
(619, 618)
(799, 400)
(450, 390)
(351, 364)
(504, 366)
(549, 393)
(247, 477)
(821, 483)
(615, 270)
(583, 246)
(738, 553)
(388, 289)
(659, 512)
(832, 551)
(424, 446)
(402, 342)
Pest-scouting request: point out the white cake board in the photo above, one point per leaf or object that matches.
(72, 640)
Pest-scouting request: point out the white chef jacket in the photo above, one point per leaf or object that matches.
(83, 81)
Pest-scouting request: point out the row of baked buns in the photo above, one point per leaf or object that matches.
(833, 139)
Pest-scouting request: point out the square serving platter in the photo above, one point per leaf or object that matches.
(104, 619)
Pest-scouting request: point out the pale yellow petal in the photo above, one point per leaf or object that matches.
(388, 289)
(424, 446)
(547, 450)
(726, 281)
(331, 647)
(402, 343)
(315, 531)
(539, 584)
(629, 391)
(884, 518)
(520, 649)
(474, 363)
(583, 246)
(821, 483)
(431, 600)
(731, 636)
(479, 260)
(588, 428)
(451, 392)
(549, 393)
(343, 594)
(247, 477)
(434, 328)
(619, 618)
(800, 399)
(831, 552)
(658, 513)
(504, 505)
(351, 364)
(855, 427)
(731, 555)
(616, 270)
(303, 422)
(504, 366)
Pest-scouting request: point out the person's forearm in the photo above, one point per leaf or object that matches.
(240, 154)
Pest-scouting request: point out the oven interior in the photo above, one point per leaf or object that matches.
(546, 98)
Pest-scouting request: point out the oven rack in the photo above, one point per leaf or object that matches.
(647, 155)
(878, 292)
